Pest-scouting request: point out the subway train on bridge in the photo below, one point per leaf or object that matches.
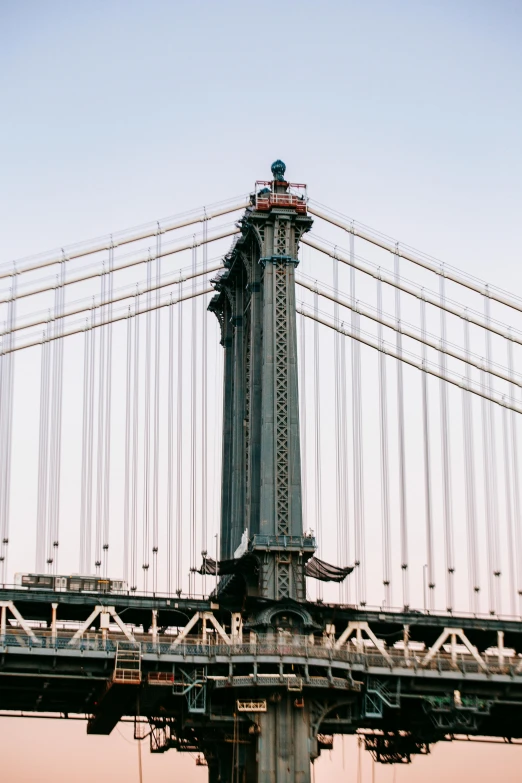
(75, 583)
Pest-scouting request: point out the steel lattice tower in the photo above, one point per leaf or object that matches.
(261, 485)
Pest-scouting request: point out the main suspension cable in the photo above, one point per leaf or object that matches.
(403, 328)
(415, 290)
(30, 263)
(416, 257)
(90, 303)
(143, 257)
(430, 368)
(80, 327)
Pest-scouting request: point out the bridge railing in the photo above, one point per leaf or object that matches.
(199, 646)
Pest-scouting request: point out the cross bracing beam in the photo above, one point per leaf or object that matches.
(139, 258)
(80, 329)
(415, 256)
(407, 330)
(123, 237)
(423, 294)
(390, 350)
(90, 304)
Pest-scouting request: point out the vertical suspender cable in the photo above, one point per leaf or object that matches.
(85, 426)
(401, 445)
(179, 451)
(135, 443)
(427, 465)
(486, 446)
(6, 430)
(193, 428)
(470, 484)
(337, 395)
(170, 440)
(357, 457)
(53, 357)
(509, 513)
(59, 394)
(41, 513)
(302, 412)
(446, 460)
(344, 476)
(90, 449)
(128, 446)
(494, 485)
(516, 488)
(3, 401)
(43, 451)
(490, 480)
(56, 427)
(385, 481)
(217, 431)
(100, 451)
(204, 455)
(108, 406)
(146, 432)
(317, 412)
(156, 415)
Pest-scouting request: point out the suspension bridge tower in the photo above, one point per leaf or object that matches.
(263, 546)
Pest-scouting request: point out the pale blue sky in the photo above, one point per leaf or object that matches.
(405, 115)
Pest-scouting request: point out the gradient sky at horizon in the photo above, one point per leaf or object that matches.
(405, 115)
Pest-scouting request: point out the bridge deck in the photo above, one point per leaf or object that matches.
(392, 670)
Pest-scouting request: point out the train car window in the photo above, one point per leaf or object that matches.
(89, 585)
(75, 584)
(27, 579)
(45, 580)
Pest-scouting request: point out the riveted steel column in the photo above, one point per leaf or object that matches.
(284, 744)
